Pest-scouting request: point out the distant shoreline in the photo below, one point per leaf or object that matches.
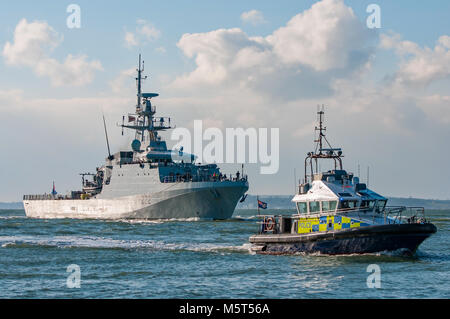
(284, 202)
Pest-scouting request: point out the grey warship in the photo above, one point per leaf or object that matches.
(147, 181)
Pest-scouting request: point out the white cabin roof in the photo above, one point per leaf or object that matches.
(325, 191)
(319, 191)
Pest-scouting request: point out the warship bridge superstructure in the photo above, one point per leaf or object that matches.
(147, 182)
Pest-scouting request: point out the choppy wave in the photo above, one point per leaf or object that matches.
(110, 243)
(12, 217)
(185, 258)
(155, 221)
(402, 252)
(245, 218)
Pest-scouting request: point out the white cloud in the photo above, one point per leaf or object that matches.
(304, 130)
(419, 66)
(271, 81)
(437, 107)
(10, 101)
(254, 17)
(75, 70)
(219, 54)
(326, 36)
(130, 39)
(145, 32)
(124, 82)
(322, 55)
(161, 50)
(302, 58)
(33, 42)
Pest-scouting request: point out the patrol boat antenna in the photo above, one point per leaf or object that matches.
(320, 152)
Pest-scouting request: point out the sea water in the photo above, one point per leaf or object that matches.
(200, 259)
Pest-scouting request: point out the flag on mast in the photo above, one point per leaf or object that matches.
(262, 205)
(54, 189)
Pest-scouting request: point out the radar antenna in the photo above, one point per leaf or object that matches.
(320, 152)
(321, 129)
(138, 82)
(144, 122)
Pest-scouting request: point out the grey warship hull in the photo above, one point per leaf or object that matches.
(214, 200)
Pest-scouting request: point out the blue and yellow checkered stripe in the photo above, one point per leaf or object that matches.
(327, 223)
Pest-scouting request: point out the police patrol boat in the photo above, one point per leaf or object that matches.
(147, 182)
(337, 214)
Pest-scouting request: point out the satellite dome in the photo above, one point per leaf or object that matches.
(136, 145)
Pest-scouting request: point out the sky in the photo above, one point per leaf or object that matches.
(249, 64)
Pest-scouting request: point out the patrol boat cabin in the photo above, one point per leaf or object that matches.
(338, 192)
(337, 214)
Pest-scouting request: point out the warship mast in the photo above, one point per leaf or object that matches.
(143, 118)
(138, 81)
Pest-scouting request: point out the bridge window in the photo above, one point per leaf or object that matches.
(368, 204)
(328, 206)
(379, 207)
(302, 207)
(314, 207)
(348, 204)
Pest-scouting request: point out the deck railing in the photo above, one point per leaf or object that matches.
(42, 197)
(390, 214)
(403, 214)
(201, 178)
